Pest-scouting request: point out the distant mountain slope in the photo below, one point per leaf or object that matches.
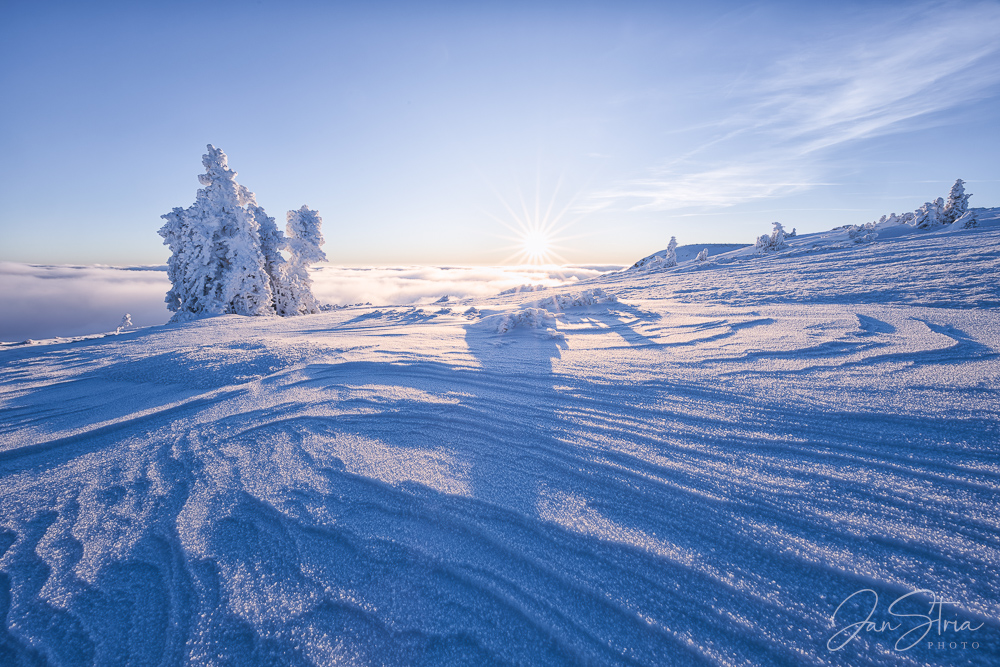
(941, 267)
(688, 252)
(837, 237)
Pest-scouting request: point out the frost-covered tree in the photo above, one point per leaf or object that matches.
(938, 205)
(776, 241)
(303, 239)
(926, 216)
(671, 257)
(777, 236)
(216, 265)
(272, 242)
(703, 255)
(957, 204)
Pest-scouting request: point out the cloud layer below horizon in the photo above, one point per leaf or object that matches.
(46, 301)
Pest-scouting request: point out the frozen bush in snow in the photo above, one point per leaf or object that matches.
(216, 265)
(957, 204)
(863, 233)
(528, 318)
(591, 297)
(303, 239)
(776, 241)
(927, 216)
(968, 220)
(703, 255)
(791, 234)
(523, 288)
(125, 323)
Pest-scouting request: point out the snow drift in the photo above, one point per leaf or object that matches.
(699, 471)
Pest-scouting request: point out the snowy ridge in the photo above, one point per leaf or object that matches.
(698, 472)
(841, 237)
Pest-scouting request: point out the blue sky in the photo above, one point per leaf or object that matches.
(423, 131)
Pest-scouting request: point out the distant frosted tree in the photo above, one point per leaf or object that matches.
(125, 323)
(776, 241)
(703, 255)
(303, 239)
(217, 265)
(957, 204)
(777, 236)
(927, 215)
(938, 205)
(671, 258)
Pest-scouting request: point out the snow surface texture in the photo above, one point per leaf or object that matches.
(699, 473)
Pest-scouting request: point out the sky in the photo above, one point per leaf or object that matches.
(438, 133)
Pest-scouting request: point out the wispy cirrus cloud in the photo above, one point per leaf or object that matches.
(776, 131)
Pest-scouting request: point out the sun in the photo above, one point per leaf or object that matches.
(538, 234)
(537, 246)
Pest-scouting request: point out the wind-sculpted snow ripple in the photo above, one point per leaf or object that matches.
(665, 484)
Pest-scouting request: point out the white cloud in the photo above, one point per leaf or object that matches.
(422, 284)
(49, 301)
(893, 72)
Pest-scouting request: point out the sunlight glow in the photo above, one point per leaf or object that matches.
(538, 233)
(536, 246)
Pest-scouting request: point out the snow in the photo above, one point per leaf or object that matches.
(692, 465)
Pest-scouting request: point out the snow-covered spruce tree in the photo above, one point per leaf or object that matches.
(703, 255)
(926, 216)
(671, 258)
(303, 239)
(217, 265)
(777, 237)
(763, 244)
(938, 205)
(272, 242)
(957, 204)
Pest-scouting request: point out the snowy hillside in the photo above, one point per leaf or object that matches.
(689, 466)
(687, 253)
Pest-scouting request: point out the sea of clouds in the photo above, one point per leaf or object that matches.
(46, 301)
